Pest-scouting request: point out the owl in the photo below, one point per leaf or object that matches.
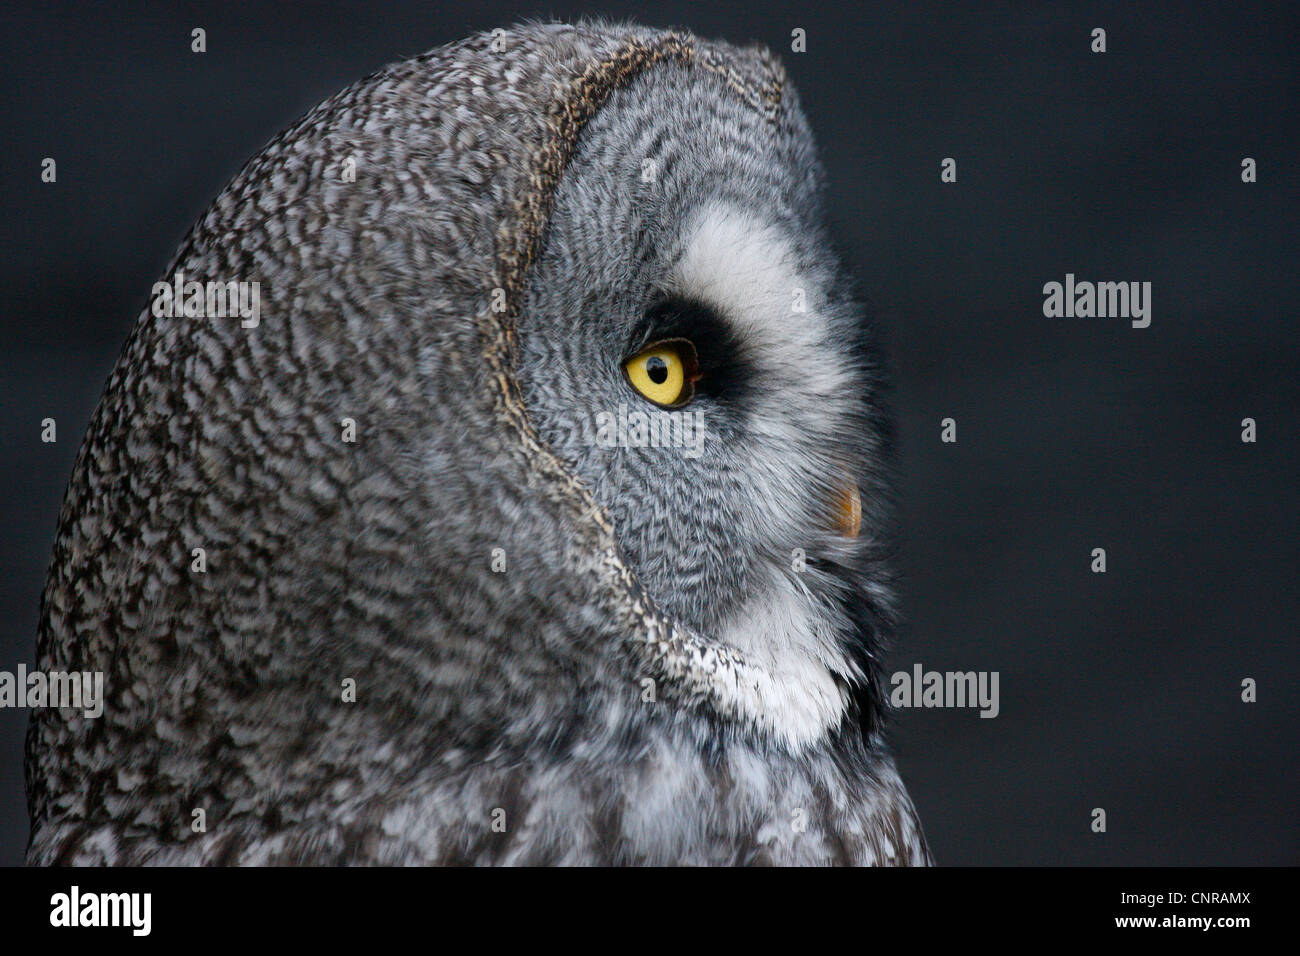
(497, 475)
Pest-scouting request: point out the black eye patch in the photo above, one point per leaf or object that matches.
(725, 373)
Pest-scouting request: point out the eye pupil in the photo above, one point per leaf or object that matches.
(657, 369)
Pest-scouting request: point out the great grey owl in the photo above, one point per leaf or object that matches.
(536, 515)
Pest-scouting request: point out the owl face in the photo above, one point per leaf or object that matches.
(689, 348)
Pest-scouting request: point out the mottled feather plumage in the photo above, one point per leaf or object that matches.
(508, 162)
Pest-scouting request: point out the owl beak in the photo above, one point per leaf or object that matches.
(848, 509)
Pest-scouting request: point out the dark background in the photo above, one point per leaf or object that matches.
(1120, 690)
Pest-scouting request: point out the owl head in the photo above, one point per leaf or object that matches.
(559, 440)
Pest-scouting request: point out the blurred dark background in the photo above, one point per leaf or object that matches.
(1118, 690)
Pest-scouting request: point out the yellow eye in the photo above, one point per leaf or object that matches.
(664, 372)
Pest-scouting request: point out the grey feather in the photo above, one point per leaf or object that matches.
(468, 302)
